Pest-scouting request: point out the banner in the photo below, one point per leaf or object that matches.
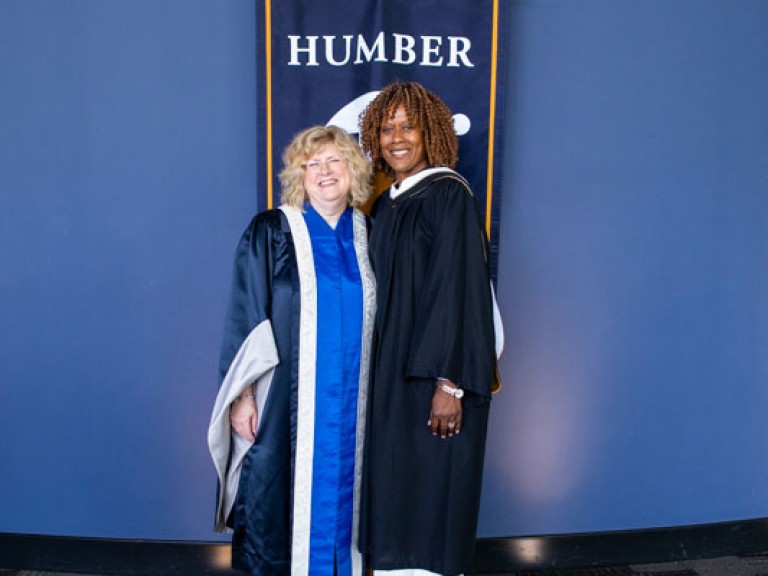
(323, 62)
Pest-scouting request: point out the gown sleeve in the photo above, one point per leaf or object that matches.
(250, 289)
(248, 355)
(453, 335)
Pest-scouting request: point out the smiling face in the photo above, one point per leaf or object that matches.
(327, 179)
(402, 145)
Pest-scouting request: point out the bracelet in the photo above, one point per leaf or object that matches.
(242, 398)
(455, 392)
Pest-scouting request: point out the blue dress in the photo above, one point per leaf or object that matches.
(339, 325)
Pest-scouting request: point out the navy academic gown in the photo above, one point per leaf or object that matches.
(292, 498)
(434, 319)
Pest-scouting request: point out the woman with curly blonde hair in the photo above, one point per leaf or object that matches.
(304, 145)
(286, 433)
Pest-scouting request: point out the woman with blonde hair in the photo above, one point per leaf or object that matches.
(286, 433)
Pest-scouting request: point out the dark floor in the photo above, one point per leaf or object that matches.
(724, 566)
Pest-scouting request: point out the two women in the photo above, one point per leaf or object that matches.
(294, 365)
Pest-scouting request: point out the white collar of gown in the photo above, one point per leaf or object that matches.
(414, 179)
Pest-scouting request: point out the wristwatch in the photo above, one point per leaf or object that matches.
(455, 392)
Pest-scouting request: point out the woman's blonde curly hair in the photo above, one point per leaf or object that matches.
(305, 145)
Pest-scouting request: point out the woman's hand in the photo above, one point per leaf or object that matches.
(445, 417)
(243, 416)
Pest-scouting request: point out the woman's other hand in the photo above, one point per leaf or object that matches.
(445, 417)
(244, 417)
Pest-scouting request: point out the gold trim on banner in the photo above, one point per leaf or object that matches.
(492, 124)
(268, 50)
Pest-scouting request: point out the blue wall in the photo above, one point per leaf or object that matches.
(127, 170)
(635, 268)
(633, 271)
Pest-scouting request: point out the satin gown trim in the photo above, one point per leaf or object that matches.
(305, 422)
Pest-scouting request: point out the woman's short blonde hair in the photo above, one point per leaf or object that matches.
(305, 145)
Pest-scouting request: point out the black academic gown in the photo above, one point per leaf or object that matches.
(434, 319)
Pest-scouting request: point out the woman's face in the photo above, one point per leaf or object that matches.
(402, 145)
(326, 177)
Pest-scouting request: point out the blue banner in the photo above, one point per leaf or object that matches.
(325, 61)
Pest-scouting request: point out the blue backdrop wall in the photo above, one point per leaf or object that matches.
(633, 262)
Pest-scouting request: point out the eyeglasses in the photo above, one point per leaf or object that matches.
(316, 165)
